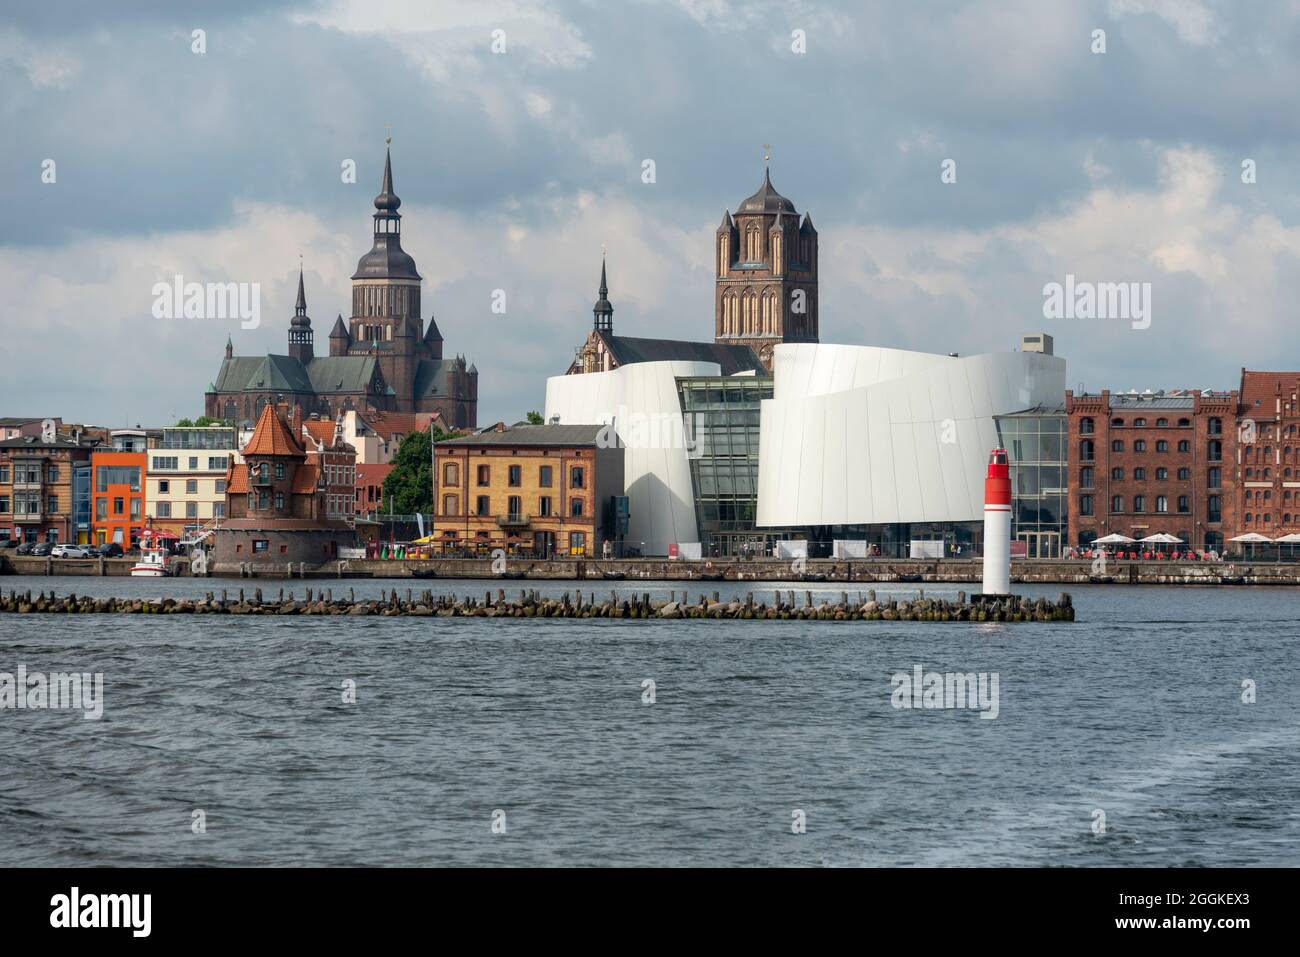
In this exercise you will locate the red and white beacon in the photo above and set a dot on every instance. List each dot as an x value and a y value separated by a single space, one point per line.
997 525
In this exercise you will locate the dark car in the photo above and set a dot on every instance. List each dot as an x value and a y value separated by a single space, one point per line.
26 548
41 549
110 550
9 543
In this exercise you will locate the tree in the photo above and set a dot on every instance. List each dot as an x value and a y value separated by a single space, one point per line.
199 423
409 486
535 418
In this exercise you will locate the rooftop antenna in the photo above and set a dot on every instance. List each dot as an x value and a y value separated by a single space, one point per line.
388 139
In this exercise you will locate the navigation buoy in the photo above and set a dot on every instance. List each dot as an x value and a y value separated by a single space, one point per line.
997 525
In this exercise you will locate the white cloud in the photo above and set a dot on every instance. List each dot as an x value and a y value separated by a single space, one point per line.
1194 21
45 65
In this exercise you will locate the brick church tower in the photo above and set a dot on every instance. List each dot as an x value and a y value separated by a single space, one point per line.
766 261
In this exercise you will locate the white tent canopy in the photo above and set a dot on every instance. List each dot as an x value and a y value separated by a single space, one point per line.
1114 538
1253 538
1292 539
1163 537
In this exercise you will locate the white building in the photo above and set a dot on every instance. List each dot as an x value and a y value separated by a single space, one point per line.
859 435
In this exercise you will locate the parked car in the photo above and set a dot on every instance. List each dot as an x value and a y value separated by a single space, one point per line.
41 549
110 550
26 548
68 550
9 543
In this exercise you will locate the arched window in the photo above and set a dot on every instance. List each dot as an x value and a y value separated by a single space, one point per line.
1086 426
1162 423
1139 422
1117 422
451 474
1162 445
1139 503
1086 451
1117 503
1184 445
1182 504
1215 426
1117 445
1140 445
1162 504
451 505
1215 450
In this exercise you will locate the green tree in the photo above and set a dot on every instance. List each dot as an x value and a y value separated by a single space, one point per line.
184 424
199 423
409 486
535 418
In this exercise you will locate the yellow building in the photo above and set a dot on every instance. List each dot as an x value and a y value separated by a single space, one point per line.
541 490
185 484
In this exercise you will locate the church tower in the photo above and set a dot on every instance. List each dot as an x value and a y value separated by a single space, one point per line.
766 264
386 299
300 334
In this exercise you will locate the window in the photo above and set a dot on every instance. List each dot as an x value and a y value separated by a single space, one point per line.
1085 477
218 462
191 509
1185 474
1086 426
1117 422
1162 445
1162 423
165 462
1117 475
451 474
1086 450
1214 510
164 487
1139 422
4 475
219 510
194 461
135 510
1140 445
101 509
545 507
52 473
1215 477
1162 475
575 507
515 476
119 506
483 505
450 505
577 543
279 471
1182 504
279 500
1184 445
261 545
1215 426
4 504
53 503
221 486
484 475
544 476
576 477
1215 451
1162 504
191 486
1139 503
164 509
1085 504
1117 503
1117 445
515 506
1139 475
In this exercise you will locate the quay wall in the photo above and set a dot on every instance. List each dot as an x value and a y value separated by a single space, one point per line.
954 571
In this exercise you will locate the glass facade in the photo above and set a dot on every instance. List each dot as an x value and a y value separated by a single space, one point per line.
211 437
721 426
1036 443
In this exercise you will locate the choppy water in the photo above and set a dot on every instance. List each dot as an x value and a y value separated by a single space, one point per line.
1135 710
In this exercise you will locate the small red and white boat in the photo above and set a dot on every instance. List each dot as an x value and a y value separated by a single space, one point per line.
153 559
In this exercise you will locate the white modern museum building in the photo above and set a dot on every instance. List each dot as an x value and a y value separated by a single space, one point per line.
842 442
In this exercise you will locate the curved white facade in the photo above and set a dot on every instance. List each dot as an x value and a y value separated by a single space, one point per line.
641 399
858 435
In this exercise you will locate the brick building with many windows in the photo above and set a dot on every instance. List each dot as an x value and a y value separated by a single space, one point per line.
1267 456
38 475
1153 462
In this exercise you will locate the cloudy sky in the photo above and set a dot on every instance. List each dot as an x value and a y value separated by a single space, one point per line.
514 168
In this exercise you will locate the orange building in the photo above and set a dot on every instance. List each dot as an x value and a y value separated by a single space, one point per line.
117 493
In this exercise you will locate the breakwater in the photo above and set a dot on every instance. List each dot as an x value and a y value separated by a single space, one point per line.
529 604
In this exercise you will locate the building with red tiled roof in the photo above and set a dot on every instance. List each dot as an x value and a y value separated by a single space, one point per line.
279 503
370 488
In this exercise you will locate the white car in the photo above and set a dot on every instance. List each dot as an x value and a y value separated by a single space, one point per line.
70 551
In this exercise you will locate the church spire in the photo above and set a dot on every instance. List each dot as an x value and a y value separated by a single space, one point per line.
300 334
300 307
603 310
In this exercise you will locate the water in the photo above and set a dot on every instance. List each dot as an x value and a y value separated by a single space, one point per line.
1135 710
